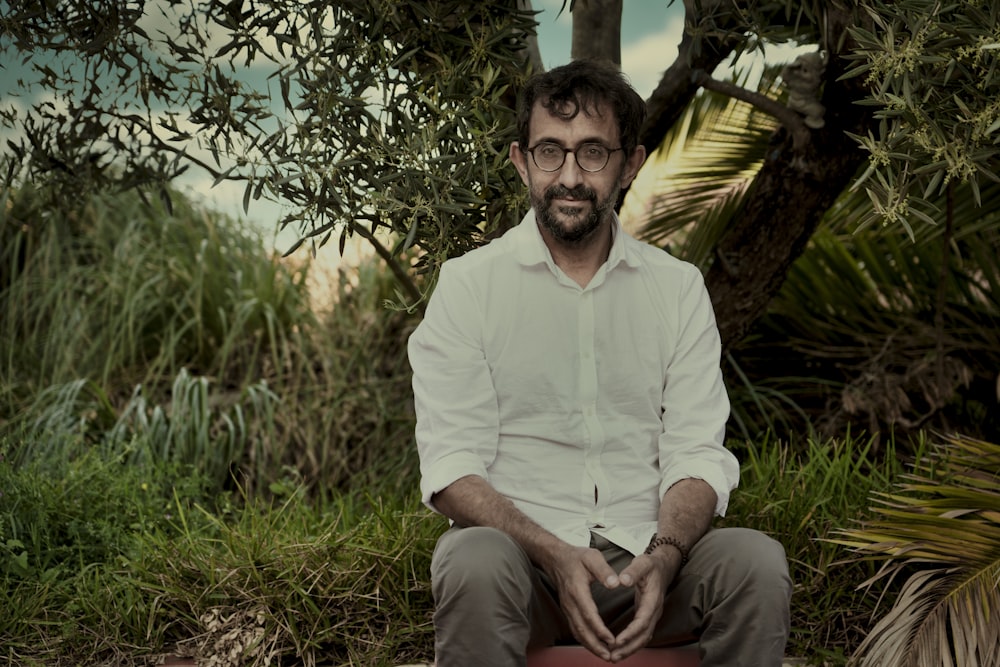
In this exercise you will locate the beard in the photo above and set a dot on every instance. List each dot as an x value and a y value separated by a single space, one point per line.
581 225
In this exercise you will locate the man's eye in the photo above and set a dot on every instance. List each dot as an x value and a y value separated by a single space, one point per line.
593 150
549 150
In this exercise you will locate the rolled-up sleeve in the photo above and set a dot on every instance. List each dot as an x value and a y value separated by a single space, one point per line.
455 401
695 404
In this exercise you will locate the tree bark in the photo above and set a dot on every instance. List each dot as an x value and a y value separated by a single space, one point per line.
597 30
785 203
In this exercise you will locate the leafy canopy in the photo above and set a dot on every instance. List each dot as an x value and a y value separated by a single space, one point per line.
362 116
934 72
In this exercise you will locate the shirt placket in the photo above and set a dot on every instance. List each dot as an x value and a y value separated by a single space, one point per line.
594 487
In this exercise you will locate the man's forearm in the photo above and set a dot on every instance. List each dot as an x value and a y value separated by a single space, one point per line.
472 501
685 514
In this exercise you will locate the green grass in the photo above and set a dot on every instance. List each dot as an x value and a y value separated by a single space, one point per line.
119 573
801 497
168 568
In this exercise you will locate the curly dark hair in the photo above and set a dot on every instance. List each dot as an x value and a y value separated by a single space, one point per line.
583 85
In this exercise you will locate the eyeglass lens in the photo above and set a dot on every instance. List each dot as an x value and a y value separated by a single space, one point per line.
550 156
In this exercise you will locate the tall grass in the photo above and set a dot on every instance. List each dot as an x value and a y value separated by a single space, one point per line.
121 322
802 496
119 290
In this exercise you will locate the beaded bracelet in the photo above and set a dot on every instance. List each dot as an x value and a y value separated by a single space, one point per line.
655 542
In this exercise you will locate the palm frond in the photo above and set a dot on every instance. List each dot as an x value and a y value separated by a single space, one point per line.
704 167
909 327
941 530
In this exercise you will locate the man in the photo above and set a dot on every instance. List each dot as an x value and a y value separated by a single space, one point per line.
570 421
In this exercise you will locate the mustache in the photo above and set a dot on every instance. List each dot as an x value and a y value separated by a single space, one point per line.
580 192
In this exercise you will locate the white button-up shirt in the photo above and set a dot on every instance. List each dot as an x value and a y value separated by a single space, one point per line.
581 405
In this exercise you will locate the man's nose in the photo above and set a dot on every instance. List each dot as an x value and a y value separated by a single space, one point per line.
570 174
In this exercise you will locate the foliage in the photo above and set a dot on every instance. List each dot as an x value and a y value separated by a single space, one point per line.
134 565
101 473
801 495
237 580
179 337
886 335
940 530
108 286
874 329
706 164
352 418
405 133
932 70
346 584
65 525
343 422
193 430
61 514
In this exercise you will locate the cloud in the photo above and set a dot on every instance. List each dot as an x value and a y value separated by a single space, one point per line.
645 60
162 22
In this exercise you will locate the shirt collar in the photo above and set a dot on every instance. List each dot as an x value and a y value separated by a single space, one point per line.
530 248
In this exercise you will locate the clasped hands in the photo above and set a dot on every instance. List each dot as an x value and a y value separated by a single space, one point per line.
573 571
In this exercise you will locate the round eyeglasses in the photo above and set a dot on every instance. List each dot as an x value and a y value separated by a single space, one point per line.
550 156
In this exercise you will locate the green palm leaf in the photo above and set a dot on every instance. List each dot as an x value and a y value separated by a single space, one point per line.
704 167
863 308
942 531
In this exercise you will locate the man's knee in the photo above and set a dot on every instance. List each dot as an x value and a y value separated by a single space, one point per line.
744 558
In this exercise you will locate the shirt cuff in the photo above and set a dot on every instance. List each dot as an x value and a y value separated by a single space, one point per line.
715 478
441 473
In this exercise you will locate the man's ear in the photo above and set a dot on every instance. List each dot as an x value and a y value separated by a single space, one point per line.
633 164
520 161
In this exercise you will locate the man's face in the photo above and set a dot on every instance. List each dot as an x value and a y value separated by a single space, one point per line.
572 204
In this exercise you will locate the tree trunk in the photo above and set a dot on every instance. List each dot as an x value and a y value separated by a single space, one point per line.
597 30
786 202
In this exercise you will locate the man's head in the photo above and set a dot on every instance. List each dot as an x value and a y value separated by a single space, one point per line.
583 86
578 129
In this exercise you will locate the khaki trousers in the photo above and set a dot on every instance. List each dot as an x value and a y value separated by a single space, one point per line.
492 604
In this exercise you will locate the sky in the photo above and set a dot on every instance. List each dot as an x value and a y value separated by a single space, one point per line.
651 31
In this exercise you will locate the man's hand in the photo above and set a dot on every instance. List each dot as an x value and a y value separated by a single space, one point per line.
650 575
572 570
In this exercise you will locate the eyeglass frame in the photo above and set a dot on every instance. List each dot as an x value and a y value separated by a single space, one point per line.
566 151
